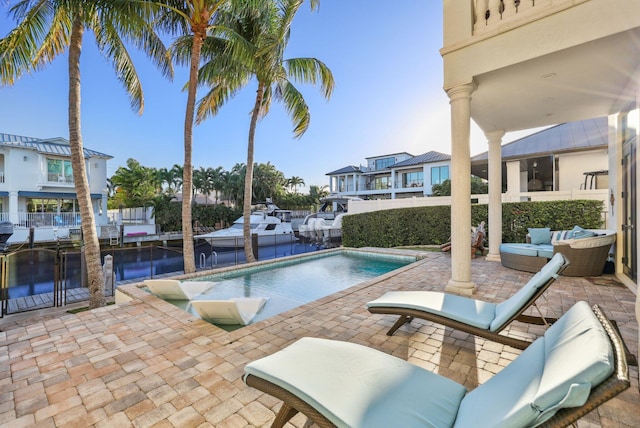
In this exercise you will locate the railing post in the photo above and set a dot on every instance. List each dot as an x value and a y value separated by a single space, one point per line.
495 11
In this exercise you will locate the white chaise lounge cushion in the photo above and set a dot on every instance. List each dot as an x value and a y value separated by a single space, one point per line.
172 289
356 386
239 310
578 355
508 308
469 311
473 312
505 399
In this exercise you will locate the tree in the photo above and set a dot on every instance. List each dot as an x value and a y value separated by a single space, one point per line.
268 182
265 35
135 184
294 182
193 18
478 187
48 28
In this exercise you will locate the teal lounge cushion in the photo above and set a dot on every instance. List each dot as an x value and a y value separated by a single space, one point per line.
578 356
545 250
505 399
356 386
508 308
541 235
520 249
469 311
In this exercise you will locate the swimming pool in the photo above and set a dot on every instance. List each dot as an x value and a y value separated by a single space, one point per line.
292 283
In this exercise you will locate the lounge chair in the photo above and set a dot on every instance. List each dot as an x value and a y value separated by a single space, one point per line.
239 310
577 365
172 289
484 319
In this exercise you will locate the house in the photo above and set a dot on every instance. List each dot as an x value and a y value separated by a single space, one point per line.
512 65
564 157
392 176
37 187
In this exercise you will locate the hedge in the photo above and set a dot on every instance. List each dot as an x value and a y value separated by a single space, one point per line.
432 225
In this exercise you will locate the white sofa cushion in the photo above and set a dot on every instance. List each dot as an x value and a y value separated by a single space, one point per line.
356 386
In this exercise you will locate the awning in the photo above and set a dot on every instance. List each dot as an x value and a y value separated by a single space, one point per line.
54 195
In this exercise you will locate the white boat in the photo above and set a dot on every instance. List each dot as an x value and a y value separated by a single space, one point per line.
271 224
330 208
332 233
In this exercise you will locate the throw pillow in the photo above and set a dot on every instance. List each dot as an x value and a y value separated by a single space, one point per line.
540 235
577 232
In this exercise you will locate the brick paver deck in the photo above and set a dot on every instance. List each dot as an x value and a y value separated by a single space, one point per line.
147 363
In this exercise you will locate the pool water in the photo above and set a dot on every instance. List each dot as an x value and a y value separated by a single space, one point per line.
290 284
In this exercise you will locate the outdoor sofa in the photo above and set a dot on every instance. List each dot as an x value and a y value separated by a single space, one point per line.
586 250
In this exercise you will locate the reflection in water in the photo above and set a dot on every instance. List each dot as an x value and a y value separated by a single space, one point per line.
31 272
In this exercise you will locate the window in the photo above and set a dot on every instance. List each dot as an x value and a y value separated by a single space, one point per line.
382 183
413 179
59 170
439 174
384 163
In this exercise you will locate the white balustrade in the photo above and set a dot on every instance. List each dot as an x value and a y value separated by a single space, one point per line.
489 13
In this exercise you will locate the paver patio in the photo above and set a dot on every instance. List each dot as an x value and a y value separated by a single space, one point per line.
147 363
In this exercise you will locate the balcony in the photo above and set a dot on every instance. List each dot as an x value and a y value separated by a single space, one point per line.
540 63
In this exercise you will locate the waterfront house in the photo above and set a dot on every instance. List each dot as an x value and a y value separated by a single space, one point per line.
37 187
392 176
511 65
561 158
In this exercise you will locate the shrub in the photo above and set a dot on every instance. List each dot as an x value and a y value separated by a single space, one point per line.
432 225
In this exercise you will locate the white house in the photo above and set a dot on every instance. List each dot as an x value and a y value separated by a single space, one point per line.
564 157
392 176
37 188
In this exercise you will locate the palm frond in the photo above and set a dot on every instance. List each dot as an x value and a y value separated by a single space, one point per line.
311 70
296 107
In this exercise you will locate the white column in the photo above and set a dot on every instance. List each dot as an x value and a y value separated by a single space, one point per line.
460 100
13 208
513 181
393 184
494 140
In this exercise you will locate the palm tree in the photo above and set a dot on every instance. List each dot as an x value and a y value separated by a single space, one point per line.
194 18
294 182
265 35
48 28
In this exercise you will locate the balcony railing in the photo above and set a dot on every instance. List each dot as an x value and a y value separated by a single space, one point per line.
59 178
48 220
490 13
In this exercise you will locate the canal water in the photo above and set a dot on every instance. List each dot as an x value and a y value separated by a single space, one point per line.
32 272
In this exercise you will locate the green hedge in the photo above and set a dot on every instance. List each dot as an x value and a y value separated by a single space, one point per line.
432 225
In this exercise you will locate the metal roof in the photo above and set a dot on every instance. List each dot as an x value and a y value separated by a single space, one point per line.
428 157
567 137
345 170
51 146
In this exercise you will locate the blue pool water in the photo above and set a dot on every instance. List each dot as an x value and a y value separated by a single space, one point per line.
290 284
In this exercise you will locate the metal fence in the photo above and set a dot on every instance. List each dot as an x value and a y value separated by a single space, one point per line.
41 278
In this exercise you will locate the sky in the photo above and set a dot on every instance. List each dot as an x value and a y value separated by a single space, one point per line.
388 98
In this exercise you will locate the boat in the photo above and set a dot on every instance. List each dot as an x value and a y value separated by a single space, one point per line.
331 233
271 225
330 208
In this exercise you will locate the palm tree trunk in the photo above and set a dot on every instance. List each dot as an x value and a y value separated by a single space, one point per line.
248 178
90 236
187 172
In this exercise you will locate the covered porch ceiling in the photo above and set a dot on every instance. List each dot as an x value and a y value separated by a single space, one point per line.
585 81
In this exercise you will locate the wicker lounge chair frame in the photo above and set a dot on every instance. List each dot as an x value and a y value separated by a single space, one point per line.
617 382
406 315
